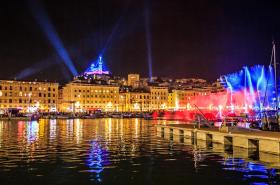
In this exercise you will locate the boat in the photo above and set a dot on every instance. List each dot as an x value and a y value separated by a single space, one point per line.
26 117
127 115
270 118
116 115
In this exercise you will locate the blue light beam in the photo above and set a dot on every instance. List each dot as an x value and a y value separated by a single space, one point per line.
148 41
111 36
34 69
46 26
41 65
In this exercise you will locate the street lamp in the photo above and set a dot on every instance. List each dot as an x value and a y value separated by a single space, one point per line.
109 106
77 105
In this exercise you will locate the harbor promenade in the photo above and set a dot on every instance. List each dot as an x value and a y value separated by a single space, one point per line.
262 141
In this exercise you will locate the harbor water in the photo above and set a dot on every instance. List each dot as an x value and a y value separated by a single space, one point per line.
121 151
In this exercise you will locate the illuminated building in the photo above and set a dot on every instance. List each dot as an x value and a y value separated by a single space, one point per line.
137 100
91 91
181 99
133 80
97 89
28 96
82 97
97 68
96 73
190 80
158 98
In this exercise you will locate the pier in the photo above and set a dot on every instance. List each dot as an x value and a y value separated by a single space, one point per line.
262 141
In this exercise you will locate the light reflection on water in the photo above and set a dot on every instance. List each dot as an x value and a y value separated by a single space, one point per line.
32 131
97 160
121 151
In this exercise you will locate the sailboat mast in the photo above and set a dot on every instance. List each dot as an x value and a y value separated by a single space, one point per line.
275 75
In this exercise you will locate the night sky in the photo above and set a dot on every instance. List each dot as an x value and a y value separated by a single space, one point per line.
188 38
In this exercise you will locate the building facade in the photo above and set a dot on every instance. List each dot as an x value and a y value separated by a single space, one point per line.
135 101
84 97
28 96
181 99
158 98
133 80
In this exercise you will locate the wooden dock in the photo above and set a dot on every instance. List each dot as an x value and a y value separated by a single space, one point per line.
263 141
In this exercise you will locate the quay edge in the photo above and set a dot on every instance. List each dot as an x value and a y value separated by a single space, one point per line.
264 142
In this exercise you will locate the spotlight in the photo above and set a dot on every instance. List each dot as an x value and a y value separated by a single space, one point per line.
47 27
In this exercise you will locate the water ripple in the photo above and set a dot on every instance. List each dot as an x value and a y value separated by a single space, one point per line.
119 151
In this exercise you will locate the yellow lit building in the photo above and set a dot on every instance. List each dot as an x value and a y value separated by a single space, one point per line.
133 80
135 101
79 96
158 98
28 96
82 97
180 99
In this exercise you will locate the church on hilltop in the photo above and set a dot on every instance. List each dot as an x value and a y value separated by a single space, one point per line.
97 68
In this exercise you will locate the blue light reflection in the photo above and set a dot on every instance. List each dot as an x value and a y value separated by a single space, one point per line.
97 159
253 172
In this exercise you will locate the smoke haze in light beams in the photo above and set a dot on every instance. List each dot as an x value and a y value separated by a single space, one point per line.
42 18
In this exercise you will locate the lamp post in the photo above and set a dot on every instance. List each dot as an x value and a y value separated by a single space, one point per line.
72 103
77 104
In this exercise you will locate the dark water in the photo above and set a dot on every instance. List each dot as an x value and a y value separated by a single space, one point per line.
116 151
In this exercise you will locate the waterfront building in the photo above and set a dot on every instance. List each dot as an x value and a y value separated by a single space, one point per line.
179 99
136 100
97 89
158 98
86 97
28 96
94 90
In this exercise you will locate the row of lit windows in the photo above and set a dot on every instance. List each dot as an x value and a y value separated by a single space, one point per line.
157 102
158 93
91 96
96 106
24 101
96 91
25 88
142 102
98 102
187 94
159 98
144 97
10 94
25 106
44 95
